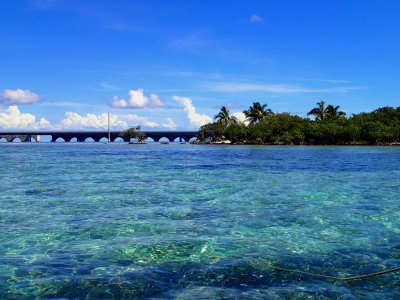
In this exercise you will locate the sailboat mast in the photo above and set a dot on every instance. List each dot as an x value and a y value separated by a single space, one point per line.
109 132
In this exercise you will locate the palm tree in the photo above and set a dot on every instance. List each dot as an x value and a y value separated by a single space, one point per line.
330 112
319 112
333 112
224 118
257 112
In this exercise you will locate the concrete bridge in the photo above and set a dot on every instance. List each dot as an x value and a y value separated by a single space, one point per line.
81 136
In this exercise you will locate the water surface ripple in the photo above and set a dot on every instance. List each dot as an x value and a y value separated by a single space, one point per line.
90 221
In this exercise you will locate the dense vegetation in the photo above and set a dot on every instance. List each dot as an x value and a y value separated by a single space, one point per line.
329 127
134 133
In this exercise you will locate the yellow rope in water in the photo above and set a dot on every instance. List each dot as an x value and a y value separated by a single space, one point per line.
362 276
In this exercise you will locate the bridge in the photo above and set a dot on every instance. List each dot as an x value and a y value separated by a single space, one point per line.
82 136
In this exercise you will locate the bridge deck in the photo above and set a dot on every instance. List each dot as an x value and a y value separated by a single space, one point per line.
81 136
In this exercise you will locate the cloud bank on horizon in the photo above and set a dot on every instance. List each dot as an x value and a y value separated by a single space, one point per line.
12 118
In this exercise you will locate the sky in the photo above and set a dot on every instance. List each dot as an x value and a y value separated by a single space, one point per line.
171 64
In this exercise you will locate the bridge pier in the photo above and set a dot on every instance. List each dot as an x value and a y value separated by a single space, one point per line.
25 138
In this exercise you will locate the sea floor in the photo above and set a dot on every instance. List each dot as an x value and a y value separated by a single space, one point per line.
92 221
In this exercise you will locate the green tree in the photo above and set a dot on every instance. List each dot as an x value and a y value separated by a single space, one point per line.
134 133
261 132
287 129
224 117
236 133
257 112
211 132
381 126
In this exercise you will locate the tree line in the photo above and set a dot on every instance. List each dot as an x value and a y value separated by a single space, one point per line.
330 126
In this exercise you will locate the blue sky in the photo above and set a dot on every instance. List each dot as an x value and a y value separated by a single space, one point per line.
172 64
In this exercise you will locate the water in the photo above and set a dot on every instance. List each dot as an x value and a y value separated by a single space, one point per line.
94 221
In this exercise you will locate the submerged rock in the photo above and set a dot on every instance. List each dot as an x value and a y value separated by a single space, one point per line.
45 192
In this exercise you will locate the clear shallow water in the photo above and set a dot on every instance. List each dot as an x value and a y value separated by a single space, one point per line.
186 221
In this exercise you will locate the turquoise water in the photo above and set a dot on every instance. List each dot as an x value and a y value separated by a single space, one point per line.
90 221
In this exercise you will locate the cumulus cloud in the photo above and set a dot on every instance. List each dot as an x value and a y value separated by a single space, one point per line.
139 121
18 96
137 99
12 118
195 119
169 123
256 19
74 120
156 101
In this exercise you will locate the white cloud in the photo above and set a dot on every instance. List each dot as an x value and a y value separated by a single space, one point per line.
12 118
195 119
256 19
156 101
18 96
139 120
240 87
105 86
137 99
74 120
170 124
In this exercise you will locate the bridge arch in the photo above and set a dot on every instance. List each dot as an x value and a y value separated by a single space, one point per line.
103 140
163 139
118 139
179 140
59 140
15 139
150 140
89 140
3 140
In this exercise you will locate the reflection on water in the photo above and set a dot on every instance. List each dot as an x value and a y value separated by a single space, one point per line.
188 221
